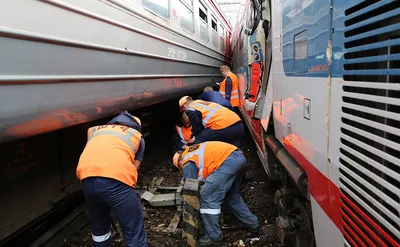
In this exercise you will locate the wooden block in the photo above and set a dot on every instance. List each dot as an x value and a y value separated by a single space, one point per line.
191 187
155 184
193 201
173 225
190 239
191 211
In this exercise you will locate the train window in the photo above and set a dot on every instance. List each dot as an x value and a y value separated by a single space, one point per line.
185 15
300 55
214 32
214 24
158 7
203 23
222 38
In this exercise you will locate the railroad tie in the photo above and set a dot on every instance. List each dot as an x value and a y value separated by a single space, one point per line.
191 211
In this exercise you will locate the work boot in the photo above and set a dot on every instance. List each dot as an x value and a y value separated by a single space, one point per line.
206 241
255 230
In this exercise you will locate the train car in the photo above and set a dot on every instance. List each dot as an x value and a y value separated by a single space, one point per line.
68 62
64 63
319 84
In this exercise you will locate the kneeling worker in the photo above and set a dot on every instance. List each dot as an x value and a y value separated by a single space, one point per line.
212 122
182 133
221 167
108 169
212 96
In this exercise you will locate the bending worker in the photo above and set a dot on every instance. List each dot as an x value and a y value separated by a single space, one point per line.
229 87
212 122
221 167
212 96
182 133
108 169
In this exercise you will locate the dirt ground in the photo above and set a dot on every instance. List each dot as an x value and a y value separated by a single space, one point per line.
257 192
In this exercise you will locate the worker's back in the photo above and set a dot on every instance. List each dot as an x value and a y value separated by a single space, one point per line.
208 156
216 97
214 116
110 152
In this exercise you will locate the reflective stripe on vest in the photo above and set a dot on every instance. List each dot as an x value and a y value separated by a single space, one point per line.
223 93
211 111
126 138
200 154
179 130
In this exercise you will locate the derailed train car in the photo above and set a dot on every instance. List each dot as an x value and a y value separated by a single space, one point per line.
64 63
319 87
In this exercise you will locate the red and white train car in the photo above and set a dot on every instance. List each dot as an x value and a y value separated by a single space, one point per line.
319 84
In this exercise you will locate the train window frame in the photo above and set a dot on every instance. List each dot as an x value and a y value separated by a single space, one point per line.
214 32
203 8
157 14
184 4
222 37
300 62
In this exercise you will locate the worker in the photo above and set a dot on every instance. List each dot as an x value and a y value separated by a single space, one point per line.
182 133
229 87
212 96
108 170
212 122
220 167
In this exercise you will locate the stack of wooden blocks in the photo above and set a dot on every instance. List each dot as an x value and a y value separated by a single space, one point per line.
191 211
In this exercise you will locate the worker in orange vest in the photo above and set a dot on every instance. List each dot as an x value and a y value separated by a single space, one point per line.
108 170
229 87
212 122
220 167
182 133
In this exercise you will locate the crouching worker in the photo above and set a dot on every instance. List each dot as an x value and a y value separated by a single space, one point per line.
212 122
182 133
108 169
220 166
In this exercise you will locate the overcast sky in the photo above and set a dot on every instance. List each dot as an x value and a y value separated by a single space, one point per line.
230 8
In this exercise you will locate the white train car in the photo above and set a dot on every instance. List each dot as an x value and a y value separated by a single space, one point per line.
320 90
65 62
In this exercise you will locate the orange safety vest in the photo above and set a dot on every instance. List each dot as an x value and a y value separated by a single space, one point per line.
184 132
208 157
235 89
214 116
110 152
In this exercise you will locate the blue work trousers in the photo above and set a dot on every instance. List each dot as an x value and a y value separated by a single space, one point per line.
233 134
224 183
105 194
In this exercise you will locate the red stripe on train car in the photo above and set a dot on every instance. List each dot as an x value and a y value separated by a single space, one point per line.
353 235
346 210
371 222
328 195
